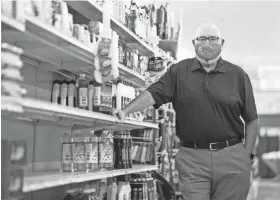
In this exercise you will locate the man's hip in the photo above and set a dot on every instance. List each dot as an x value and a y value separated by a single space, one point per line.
214 174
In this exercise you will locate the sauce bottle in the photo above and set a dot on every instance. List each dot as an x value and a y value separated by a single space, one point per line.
56 92
117 151
71 93
82 92
64 88
129 148
90 95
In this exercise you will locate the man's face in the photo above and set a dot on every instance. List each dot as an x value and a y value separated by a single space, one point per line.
208 44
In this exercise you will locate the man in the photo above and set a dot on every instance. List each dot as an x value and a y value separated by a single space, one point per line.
210 95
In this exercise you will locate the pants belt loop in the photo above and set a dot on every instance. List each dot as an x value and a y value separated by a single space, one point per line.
227 143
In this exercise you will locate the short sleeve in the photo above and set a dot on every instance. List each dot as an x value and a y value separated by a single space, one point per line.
162 91
249 111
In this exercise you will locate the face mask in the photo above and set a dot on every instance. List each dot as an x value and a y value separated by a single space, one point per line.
208 52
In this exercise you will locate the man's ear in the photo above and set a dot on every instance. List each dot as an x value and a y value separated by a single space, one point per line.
222 42
193 41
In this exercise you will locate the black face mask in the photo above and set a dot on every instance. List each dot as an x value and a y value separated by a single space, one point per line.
209 51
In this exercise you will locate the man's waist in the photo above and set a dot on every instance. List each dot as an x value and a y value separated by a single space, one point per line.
211 145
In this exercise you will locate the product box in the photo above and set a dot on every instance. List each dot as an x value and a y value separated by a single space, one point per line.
13 153
11 182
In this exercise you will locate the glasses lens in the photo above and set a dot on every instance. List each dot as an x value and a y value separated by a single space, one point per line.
201 39
213 39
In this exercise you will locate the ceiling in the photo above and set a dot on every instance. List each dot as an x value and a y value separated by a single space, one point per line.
251 29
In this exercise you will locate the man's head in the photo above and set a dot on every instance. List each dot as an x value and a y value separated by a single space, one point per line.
208 43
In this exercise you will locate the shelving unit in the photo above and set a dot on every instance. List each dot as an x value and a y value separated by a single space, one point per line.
41 180
47 49
35 110
93 11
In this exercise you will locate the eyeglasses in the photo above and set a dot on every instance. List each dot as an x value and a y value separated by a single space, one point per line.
211 39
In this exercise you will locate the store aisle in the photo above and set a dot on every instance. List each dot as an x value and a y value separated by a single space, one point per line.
265 189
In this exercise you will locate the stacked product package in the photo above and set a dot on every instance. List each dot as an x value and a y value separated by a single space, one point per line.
11 66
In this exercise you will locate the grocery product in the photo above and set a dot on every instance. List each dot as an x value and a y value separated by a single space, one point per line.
64 92
106 151
72 94
56 92
66 148
103 189
79 152
90 96
91 152
82 92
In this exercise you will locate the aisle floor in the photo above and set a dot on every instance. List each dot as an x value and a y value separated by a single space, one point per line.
265 189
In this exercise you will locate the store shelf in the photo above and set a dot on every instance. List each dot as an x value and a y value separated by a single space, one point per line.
55 50
45 43
10 23
132 76
46 112
41 180
93 11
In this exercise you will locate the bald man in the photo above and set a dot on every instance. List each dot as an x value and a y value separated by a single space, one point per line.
210 96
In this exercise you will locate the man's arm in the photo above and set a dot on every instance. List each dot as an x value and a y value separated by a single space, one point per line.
144 100
251 134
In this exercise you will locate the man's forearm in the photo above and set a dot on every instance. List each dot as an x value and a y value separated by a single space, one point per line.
144 100
251 134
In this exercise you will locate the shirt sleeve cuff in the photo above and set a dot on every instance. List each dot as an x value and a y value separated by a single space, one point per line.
251 117
156 97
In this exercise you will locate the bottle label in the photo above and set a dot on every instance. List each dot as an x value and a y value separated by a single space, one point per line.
66 153
79 152
83 97
91 153
97 96
106 151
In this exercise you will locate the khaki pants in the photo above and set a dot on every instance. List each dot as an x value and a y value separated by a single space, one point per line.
214 175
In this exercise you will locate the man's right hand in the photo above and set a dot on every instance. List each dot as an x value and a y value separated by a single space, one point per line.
120 114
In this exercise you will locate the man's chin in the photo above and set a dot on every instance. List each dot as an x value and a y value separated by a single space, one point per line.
207 61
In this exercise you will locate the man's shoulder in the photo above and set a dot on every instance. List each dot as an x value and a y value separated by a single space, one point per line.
231 67
183 64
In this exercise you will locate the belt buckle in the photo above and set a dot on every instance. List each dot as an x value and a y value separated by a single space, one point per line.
212 149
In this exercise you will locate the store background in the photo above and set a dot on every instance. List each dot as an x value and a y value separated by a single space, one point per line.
251 30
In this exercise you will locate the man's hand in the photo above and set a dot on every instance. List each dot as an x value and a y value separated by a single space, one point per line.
120 114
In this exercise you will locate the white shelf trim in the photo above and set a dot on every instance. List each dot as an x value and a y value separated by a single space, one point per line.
13 23
40 180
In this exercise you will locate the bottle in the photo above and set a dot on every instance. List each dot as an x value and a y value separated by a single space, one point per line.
114 193
72 91
103 189
66 153
79 152
70 194
123 151
97 97
129 148
91 153
117 151
64 88
106 151
56 92
90 96
82 92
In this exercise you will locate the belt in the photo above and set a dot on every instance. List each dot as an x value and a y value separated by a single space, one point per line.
212 146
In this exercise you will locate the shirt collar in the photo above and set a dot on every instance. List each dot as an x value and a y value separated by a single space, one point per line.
219 68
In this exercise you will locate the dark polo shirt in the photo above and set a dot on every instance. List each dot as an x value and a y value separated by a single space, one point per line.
208 105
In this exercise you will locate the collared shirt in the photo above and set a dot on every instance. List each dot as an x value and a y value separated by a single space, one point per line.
208 106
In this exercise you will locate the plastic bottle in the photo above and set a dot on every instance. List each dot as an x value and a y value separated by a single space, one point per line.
82 92
114 191
117 151
106 151
70 194
129 148
64 88
56 92
97 97
90 95
79 152
72 93
103 189
66 153
94 158
123 151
